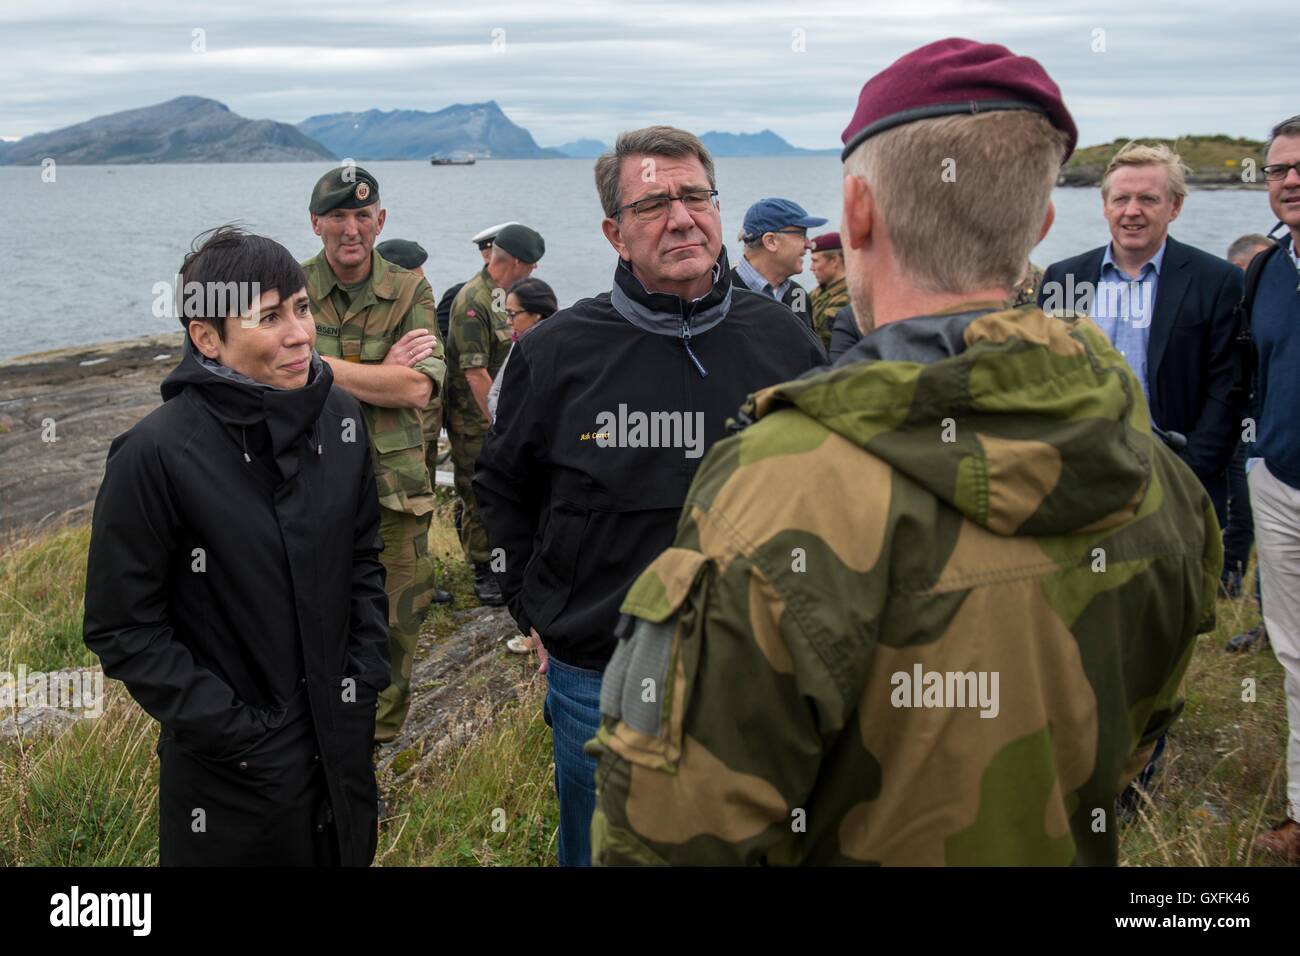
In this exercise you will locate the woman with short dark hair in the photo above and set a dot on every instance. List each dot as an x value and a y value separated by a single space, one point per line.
233 581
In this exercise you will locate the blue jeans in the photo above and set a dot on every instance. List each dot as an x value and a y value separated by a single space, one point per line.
572 711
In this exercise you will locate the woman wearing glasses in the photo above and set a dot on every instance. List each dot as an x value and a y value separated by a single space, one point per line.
528 301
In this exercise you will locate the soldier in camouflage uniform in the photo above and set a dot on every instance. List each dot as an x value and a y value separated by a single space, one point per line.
961 641
1026 292
374 325
832 292
478 340
411 257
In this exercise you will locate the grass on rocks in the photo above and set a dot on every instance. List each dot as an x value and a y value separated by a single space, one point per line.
88 797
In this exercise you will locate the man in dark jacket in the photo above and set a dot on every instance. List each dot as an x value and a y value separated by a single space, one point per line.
234 583
1167 307
615 400
844 333
1275 478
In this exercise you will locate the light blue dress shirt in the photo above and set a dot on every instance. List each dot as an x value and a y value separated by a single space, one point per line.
1124 307
754 279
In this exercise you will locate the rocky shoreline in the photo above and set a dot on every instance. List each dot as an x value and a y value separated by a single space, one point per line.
59 412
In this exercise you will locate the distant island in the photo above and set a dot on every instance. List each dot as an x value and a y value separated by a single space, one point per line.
463 131
1213 161
762 143
582 148
187 129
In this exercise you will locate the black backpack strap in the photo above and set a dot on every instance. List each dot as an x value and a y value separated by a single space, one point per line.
1245 358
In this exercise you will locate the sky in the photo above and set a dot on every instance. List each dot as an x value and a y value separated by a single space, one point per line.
591 68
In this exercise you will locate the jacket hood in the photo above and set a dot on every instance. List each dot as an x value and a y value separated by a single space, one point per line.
238 401
1026 424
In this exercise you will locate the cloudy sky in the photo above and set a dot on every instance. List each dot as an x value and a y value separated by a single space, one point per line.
593 67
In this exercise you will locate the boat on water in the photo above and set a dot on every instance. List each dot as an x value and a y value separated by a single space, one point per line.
444 161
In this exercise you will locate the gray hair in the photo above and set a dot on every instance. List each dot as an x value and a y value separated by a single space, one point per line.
651 141
1246 243
1288 127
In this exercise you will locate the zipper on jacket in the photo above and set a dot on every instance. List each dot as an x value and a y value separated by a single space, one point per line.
686 341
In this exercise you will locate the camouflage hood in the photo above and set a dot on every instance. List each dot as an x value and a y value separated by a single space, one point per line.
1026 424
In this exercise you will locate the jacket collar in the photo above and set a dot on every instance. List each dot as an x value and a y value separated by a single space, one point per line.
322 280
923 338
839 285
1155 262
665 314
241 402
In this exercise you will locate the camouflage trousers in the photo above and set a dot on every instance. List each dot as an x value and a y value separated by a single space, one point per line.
465 447
409 583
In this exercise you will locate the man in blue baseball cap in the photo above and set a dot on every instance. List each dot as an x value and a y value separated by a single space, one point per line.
775 237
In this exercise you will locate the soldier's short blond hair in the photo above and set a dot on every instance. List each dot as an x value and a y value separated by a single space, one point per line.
963 197
1140 154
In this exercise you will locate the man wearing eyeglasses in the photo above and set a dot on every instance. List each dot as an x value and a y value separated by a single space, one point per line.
1275 481
606 409
775 236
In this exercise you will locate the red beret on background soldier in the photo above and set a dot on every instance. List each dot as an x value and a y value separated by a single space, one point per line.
832 292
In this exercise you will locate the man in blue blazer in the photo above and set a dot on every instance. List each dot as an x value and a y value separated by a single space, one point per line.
1166 306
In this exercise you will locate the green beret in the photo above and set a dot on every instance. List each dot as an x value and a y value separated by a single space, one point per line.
403 252
348 187
526 245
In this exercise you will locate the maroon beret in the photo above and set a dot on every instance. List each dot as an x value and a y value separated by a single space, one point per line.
955 76
826 242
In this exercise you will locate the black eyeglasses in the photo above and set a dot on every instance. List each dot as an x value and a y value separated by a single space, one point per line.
656 207
513 312
1276 172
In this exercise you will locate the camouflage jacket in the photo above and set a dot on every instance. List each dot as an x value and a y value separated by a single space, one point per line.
392 303
478 336
950 649
826 301
1026 293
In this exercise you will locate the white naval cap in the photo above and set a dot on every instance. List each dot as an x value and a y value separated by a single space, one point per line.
490 233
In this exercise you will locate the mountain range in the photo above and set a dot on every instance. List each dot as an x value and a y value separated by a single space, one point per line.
194 129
